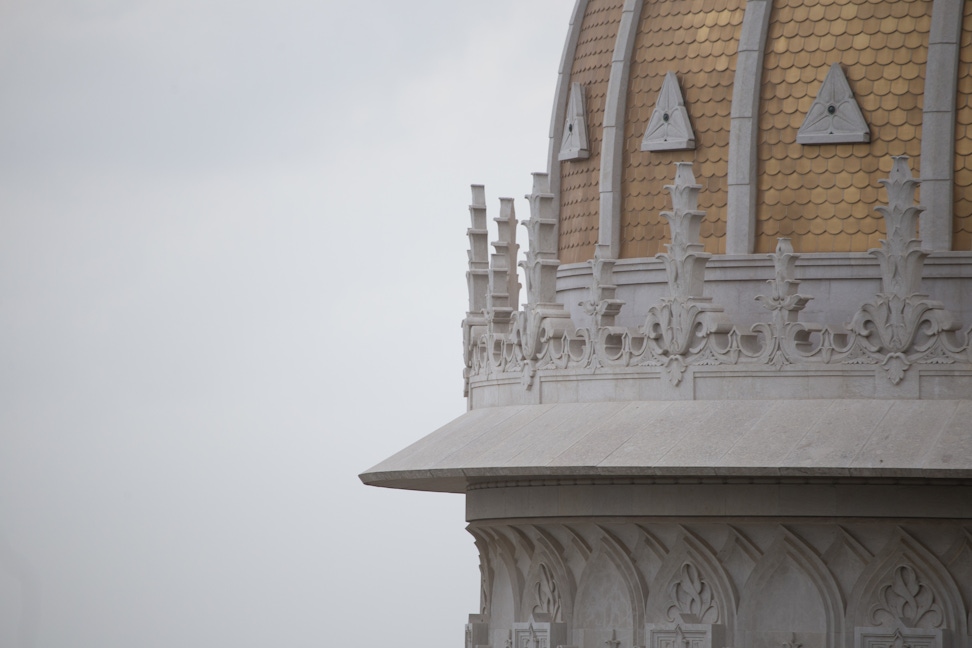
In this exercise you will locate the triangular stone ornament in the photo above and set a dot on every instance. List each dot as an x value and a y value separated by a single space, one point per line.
669 128
834 117
574 145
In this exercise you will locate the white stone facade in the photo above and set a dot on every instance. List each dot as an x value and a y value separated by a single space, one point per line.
718 451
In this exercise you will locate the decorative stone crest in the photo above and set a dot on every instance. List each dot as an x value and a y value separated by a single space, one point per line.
574 144
679 325
888 327
899 328
834 117
669 128
785 304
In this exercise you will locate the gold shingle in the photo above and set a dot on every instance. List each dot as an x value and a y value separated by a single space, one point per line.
579 189
837 193
705 67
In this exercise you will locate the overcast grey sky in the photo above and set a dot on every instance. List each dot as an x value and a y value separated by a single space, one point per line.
232 256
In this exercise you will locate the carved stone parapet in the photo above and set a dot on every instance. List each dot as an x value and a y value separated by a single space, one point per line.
900 637
684 635
477 631
539 632
893 330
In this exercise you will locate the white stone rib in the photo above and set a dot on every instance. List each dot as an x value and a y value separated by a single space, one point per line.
938 125
612 134
741 208
561 94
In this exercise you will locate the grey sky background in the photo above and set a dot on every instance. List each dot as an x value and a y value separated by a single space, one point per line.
232 256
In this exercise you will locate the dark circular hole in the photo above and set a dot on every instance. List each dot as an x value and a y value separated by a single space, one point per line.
570 128
831 109
665 117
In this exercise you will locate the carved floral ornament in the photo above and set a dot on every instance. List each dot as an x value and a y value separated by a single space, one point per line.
547 594
906 600
898 328
692 599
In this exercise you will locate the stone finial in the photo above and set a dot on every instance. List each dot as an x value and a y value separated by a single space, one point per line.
785 304
477 277
685 260
680 322
544 318
602 306
901 256
613 641
474 326
890 326
541 263
504 287
784 301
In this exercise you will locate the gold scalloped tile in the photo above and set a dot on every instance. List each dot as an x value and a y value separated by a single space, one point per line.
579 187
836 186
696 39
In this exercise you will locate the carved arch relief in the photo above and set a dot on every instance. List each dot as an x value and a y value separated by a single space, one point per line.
691 586
505 589
503 604
791 597
610 598
549 584
906 588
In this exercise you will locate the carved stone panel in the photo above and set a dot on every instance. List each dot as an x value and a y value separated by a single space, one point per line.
899 637
539 633
477 632
834 117
684 635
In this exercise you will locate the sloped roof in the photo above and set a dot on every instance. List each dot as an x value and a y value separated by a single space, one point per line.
759 438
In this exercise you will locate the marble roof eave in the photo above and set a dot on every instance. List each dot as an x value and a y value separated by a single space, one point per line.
760 439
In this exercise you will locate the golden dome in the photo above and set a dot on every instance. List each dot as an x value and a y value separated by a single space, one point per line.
822 196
